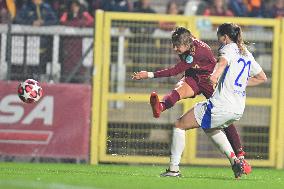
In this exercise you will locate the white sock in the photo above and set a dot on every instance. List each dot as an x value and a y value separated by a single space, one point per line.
178 144
221 141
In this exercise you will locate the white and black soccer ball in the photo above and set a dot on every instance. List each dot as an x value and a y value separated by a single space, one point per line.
30 91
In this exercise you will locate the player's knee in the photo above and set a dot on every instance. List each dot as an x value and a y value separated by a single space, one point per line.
179 84
181 91
184 91
179 124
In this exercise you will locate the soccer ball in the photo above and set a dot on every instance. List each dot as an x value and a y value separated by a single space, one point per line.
30 91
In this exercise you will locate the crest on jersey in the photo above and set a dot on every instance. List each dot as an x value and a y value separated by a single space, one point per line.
189 59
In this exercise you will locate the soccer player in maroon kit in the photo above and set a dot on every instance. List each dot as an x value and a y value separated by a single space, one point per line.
197 62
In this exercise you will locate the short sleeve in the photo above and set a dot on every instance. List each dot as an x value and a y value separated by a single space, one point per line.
225 52
255 68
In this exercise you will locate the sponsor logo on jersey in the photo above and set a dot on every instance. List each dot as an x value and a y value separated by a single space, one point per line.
195 66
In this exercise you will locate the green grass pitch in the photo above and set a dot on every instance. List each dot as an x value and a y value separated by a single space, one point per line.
73 176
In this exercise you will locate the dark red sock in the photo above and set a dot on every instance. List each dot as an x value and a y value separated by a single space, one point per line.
234 138
170 99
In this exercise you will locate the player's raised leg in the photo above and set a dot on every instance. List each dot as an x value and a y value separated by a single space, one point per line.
156 105
182 90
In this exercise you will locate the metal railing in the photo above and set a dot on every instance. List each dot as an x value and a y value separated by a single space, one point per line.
125 50
26 46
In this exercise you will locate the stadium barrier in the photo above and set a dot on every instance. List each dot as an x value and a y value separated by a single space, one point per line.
131 42
280 128
46 53
97 88
46 129
128 135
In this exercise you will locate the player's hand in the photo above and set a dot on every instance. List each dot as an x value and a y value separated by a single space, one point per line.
140 75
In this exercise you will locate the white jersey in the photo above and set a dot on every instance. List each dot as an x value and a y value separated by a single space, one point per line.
230 93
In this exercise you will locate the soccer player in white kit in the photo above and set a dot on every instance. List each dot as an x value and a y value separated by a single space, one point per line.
236 69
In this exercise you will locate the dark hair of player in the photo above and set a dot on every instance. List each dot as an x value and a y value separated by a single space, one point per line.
234 32
181 36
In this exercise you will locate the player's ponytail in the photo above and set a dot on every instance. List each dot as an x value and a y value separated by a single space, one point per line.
239 39
234 32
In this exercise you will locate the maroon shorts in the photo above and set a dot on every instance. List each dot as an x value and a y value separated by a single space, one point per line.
200 85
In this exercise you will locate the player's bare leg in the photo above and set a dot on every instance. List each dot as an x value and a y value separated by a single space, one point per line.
182 90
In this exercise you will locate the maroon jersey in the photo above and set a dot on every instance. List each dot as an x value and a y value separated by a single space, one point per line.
200 61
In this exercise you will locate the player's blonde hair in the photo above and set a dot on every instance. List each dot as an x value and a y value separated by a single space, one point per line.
234 32
181 36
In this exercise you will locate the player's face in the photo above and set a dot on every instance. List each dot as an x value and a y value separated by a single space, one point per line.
180 49
223 39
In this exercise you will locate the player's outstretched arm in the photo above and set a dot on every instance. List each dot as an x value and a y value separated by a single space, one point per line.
257 79
142 75
219 69
167 72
